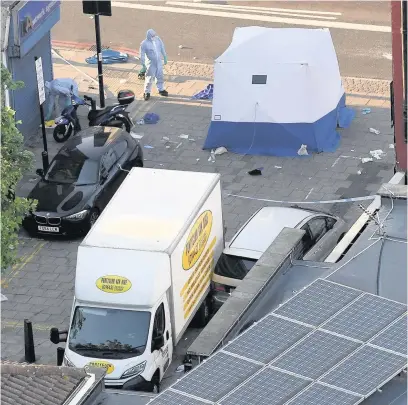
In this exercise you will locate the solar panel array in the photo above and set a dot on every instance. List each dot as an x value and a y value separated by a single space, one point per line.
328 345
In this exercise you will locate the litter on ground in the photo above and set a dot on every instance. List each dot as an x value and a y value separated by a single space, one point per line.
366 111
206 94
183 136
278 167
378 153
391 146
151 118
256 172
359 172
374 131
140 122
181 143
148 147
134 135
302 150
365 160
220 151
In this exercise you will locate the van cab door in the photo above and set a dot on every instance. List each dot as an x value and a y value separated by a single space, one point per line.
162 344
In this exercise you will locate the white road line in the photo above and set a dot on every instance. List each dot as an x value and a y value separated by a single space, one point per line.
239 8
250 17
313 12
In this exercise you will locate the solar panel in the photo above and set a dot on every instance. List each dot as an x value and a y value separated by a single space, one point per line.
169 397
365 371
318 302
269 387
318 394
259 344
395 337
316 354
365 317
216 377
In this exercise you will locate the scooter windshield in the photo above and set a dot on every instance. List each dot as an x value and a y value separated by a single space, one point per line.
76 100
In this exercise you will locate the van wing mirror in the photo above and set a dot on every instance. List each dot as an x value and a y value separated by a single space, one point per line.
57 336
158 342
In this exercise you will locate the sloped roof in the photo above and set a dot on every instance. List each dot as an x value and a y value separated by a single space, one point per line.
23 384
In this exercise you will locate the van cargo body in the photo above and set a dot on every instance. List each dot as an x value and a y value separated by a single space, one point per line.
143 272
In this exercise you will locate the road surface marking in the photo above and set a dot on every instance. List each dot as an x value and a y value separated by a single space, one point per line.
251 10
20 324
289 10
253 17
308 194
16 269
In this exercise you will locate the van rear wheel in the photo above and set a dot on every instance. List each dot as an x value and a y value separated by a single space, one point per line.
203 314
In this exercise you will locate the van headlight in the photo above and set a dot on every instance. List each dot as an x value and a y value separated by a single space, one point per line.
135 370
67 362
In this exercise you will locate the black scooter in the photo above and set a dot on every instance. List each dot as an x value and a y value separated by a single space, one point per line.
111 116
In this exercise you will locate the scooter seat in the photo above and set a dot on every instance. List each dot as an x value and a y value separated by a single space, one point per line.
94 114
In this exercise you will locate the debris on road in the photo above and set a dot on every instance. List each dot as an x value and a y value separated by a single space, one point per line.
140 122
181 46
278 167
134 135
374 131
302 150
180 368
365 160
359 172
183 136
206 94
378 153
365 111
256 172
181 143
220 151
3 297
391 146
151 118
148 147
212 157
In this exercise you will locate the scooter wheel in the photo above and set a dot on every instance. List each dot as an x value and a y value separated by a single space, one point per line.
62 133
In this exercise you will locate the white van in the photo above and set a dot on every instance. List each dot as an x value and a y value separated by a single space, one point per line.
143 272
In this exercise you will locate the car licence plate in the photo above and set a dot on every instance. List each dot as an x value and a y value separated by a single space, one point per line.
48 228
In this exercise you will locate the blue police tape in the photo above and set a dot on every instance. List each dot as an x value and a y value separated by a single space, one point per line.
344 200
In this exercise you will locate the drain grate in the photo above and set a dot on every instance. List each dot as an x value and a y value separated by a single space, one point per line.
116 73
93 48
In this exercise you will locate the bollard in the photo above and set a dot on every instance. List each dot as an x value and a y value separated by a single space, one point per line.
60 355
45 161
29 352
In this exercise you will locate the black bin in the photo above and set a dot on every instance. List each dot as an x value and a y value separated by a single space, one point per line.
126 97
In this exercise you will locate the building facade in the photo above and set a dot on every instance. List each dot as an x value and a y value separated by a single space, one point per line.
26 27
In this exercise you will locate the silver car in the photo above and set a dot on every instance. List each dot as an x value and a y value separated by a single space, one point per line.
323 232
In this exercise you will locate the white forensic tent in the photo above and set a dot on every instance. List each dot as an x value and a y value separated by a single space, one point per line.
276 89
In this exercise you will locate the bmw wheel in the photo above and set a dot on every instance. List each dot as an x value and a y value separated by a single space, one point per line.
93 217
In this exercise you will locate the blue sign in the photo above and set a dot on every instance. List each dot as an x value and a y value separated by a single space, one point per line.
32 16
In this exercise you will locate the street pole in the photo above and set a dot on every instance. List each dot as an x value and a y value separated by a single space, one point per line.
41 98
99 56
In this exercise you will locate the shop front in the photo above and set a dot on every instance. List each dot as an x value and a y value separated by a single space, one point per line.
29 36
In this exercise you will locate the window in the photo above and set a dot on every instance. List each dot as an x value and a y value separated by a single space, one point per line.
317 228
107 161
259 79
330 222
119 149
233 266
159 322
306 241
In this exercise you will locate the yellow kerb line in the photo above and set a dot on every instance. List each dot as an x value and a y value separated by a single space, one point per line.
16 269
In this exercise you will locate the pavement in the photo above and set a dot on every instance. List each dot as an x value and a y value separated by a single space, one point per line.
361 30
40 288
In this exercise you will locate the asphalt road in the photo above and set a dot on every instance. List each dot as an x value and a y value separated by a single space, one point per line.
360 30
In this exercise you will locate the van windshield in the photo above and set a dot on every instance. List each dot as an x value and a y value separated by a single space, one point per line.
107 332
233 266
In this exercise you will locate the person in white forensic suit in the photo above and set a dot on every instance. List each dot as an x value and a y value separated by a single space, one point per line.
152 52
61 89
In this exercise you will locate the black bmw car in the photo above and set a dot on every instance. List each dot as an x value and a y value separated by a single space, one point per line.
81 180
